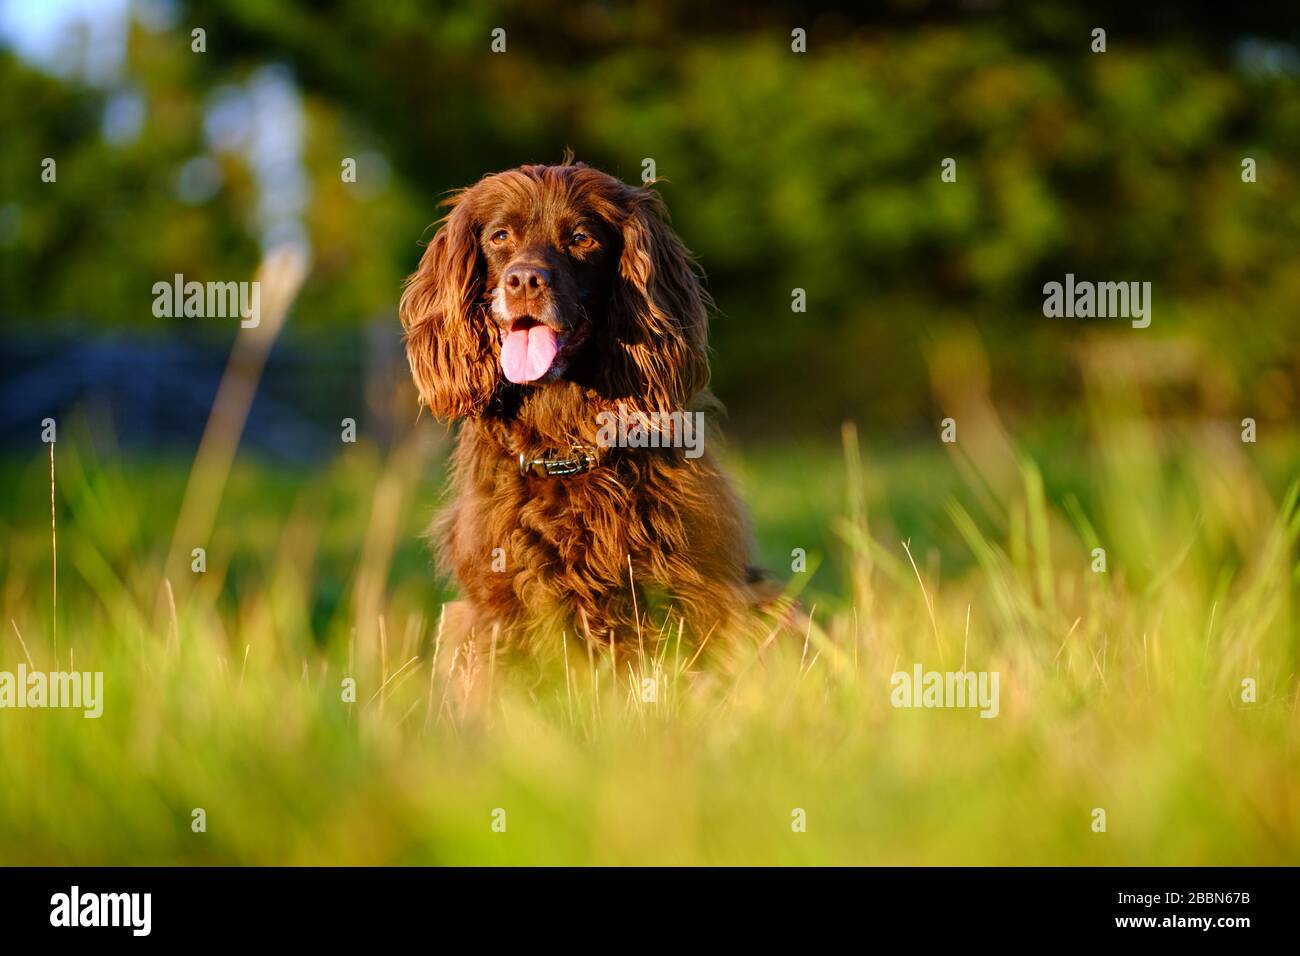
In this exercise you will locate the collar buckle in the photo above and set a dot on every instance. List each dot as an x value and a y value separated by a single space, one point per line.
582 460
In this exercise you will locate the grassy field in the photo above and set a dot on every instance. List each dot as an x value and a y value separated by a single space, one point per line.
1120 690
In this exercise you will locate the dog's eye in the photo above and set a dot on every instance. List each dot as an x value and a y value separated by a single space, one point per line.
498 237
582 241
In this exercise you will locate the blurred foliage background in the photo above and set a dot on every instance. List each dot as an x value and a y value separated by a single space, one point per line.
818 171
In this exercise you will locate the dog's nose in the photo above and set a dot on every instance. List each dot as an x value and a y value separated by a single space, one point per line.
525 281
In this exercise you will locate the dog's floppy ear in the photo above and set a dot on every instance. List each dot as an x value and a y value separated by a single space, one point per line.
448 338
658 329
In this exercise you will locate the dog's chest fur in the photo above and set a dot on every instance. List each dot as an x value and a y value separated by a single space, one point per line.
551 540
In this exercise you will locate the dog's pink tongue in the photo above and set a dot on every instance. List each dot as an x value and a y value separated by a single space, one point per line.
527 353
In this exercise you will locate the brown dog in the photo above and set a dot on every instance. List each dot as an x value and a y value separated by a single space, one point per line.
553 302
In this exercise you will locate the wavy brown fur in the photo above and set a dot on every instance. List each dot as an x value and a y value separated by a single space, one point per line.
573 545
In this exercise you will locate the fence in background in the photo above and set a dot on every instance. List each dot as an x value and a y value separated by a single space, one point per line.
145 392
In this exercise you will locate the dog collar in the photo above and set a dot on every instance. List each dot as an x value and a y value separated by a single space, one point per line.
581 459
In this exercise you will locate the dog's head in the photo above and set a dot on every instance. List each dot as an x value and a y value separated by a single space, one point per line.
549 273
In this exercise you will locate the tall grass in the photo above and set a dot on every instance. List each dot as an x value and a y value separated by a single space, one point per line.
1120 690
